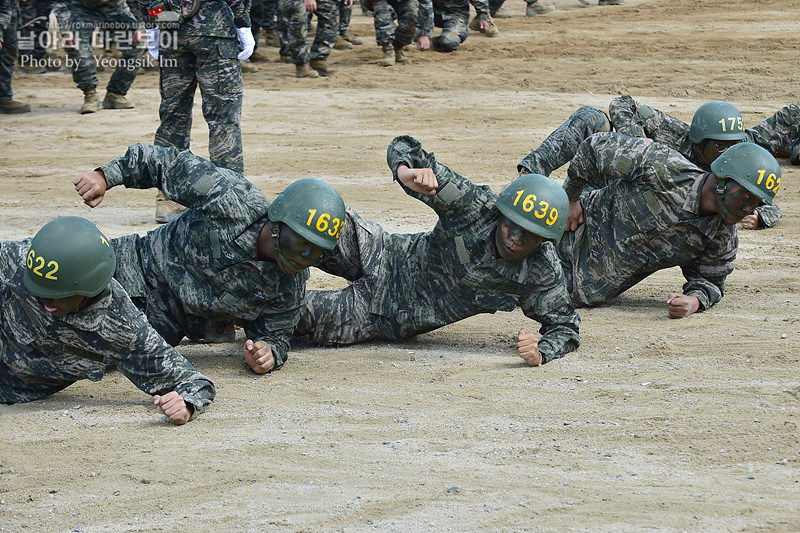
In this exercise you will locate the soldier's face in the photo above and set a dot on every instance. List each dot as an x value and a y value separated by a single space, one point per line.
62 306
739 201
300 253
712 148
514 243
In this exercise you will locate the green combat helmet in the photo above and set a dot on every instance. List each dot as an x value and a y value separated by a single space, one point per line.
537 204
69 256
313 209
752 167
720 121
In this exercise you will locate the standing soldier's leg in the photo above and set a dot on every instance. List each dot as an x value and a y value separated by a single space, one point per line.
270 23
177 85
407 12
8 58
327 30
220 79
294 12
383 19
560 146
127 69
84 72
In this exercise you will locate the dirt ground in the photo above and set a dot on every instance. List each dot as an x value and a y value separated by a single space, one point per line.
652 425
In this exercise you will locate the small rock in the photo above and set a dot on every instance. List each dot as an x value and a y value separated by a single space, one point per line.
452 490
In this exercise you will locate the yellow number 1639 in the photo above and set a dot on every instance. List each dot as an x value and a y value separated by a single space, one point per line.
544 209
324 223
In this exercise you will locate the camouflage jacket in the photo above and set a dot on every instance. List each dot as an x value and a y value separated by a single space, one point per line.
9 12
775 134
453 271
44 354
214 18
641 204
202 267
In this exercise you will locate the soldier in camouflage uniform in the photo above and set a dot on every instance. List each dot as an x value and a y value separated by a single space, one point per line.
637 207
315 63
232 257
779 134
392 39
453 17
63 318
484 255
9 21
111 17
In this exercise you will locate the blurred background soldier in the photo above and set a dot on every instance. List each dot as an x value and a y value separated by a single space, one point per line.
9 21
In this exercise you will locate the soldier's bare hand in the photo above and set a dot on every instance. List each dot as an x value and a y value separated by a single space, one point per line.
528 348
575 217
173 405
423 43
258 356
311 6
91 186
421 180
751 221
681 305
348 4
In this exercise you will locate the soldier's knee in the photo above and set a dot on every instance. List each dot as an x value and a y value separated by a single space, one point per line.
594 120
449 42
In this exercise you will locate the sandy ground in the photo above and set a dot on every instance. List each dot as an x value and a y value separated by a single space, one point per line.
653 424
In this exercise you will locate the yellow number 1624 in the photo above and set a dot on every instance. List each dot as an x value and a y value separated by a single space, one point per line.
542 208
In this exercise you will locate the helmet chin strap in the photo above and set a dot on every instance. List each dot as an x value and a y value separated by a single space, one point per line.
276 246
721 184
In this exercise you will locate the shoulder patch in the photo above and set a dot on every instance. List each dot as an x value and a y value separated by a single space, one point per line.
624 164
448 193
644 111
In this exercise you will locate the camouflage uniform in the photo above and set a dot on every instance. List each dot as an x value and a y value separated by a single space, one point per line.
199 273
384 12
111 16
205 53
406 284
641 204
35 14
294 12
41 354
9 20
453 17
263 16
775 134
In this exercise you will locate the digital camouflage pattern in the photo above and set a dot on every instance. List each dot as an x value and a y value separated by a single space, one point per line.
203 51
41 354
9 22
775 134
198 274
560 146
110 17
294 12
384 13
453 17
406 284
641 204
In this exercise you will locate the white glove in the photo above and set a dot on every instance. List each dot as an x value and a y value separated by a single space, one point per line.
153 36
246 42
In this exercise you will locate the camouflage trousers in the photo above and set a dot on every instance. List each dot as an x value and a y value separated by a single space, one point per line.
384 13
8 58
263 14
211 63
84 72
560 146
344 18
14 389
296 29
35 15
454 32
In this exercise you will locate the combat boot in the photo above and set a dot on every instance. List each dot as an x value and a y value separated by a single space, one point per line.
259 56
12 107
91 102
116 101
167 210
248 67
285 59
475 25
352 39
272 38
534 8
401 57
794 152
305 71
321 66
388 56
340 43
